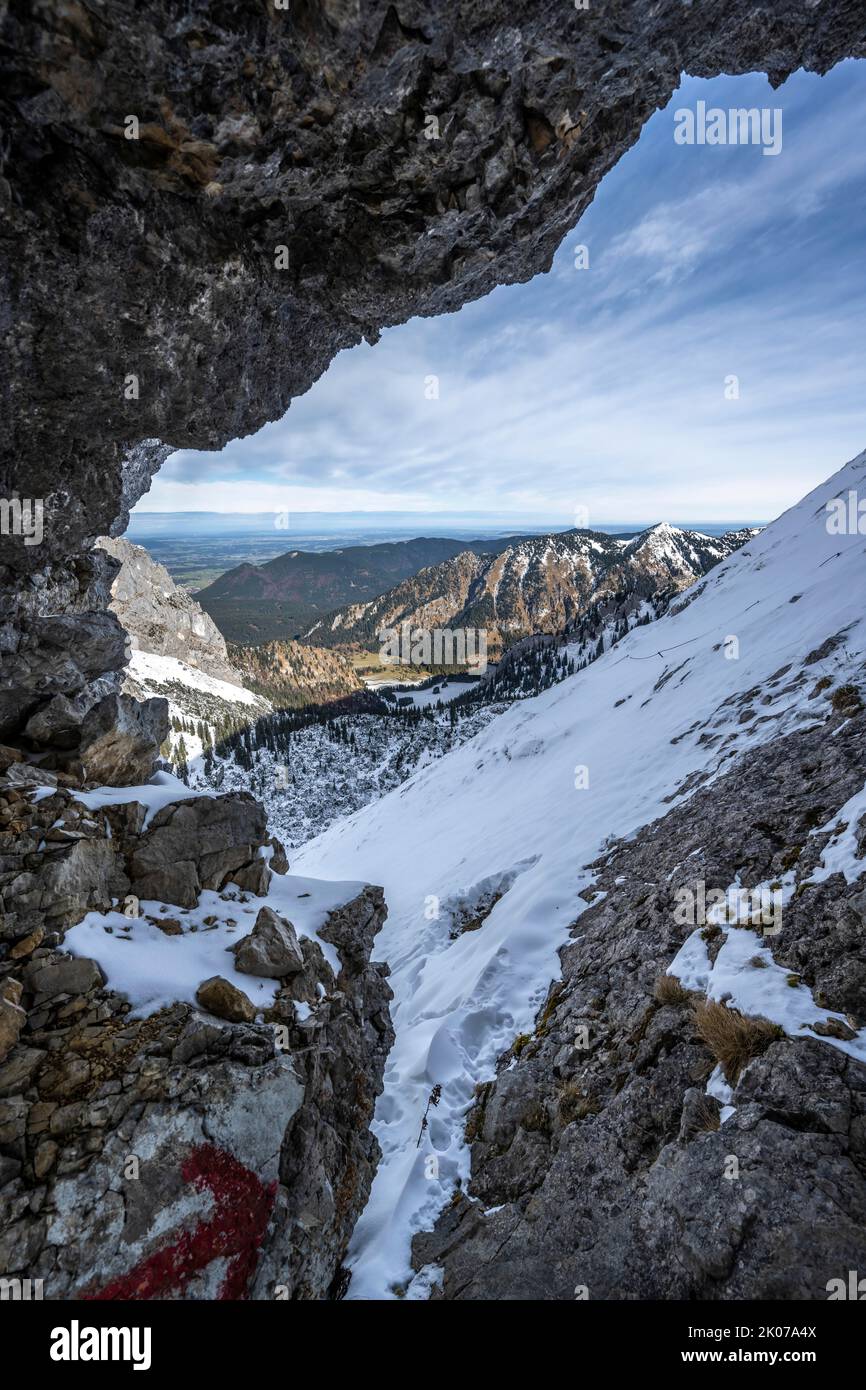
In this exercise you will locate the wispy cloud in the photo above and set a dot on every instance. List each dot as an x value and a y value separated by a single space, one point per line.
606 387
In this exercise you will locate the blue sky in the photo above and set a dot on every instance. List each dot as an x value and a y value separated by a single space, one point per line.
599 394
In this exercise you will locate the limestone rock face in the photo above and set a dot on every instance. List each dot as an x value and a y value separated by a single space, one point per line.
120 1137
58 860
261 129
352 931
259 1127
245 191
47 978
56 637
120 738
160 617
12 1016
60 677
108 738
199 843
278 862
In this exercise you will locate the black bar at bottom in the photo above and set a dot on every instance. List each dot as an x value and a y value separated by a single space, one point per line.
68 1339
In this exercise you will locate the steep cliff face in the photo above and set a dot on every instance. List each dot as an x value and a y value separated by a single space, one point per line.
204 203
162 619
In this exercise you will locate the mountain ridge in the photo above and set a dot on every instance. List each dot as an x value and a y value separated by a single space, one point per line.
536 585
256 603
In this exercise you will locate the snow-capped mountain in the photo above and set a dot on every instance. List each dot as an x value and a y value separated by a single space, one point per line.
485 856
537 585
257 603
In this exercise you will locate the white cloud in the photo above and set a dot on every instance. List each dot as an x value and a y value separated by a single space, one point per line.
605 387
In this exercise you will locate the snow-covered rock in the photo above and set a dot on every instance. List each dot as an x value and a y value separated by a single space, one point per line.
536 585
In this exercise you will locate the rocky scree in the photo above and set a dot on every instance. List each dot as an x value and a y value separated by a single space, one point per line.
602 1167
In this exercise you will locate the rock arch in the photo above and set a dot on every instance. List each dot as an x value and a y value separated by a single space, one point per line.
148 302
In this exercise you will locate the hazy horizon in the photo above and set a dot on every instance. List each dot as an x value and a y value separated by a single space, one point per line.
199 523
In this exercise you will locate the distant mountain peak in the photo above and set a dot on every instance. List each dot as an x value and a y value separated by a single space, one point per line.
538 584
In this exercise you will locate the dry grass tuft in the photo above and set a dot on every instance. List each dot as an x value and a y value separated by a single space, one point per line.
846 699
575 1105
706 1118
733 1038
669 990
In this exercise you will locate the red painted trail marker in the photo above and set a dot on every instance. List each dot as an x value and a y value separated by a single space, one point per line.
243 1205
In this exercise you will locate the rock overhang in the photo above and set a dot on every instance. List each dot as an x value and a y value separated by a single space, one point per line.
204 204
408 158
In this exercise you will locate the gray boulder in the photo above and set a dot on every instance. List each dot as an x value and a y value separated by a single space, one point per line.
271 949
353 929
62 975
254 877
120 740
195 844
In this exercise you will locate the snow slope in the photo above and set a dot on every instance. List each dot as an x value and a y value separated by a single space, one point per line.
196 700
512 808
442 692
157 672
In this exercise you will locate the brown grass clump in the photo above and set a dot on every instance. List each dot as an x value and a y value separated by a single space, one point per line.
846 699
574 1105
706 1118
733 1038
669 990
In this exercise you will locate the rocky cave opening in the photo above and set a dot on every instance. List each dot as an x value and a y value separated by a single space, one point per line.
153 259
